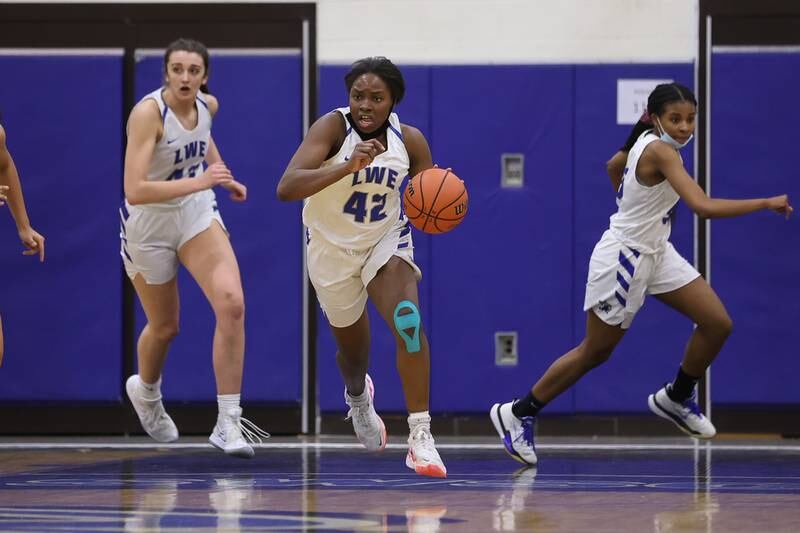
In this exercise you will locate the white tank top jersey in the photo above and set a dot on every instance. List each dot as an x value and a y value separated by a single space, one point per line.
644 213
180 152
359 209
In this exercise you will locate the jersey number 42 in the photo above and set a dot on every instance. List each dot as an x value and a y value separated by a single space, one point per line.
356 205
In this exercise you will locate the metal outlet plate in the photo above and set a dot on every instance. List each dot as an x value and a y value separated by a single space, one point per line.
512 170
505 348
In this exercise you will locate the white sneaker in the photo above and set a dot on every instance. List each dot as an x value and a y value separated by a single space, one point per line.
422 456
154 419
234 433
517 433
686 415
369 428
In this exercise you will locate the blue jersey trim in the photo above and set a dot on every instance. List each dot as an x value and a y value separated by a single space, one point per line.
396 132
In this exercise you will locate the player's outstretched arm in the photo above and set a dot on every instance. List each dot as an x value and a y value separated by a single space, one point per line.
670 165
9 177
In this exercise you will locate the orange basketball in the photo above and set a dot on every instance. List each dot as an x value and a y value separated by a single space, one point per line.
435 200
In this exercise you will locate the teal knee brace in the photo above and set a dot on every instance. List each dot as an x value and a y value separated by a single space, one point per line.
408 321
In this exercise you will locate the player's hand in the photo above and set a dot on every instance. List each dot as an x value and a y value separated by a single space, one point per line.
780 204
33 242
364 153
216 174
238 190
3 198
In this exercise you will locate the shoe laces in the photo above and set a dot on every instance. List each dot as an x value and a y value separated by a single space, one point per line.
527 431
361 412
691 405
246 429
422 441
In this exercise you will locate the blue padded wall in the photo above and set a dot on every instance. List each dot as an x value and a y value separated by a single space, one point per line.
62 319
413 110
256 129
651 351
508 266
756 258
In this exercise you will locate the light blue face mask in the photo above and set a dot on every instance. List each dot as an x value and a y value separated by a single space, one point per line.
667 138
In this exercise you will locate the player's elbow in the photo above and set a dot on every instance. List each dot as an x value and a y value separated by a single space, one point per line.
133 196
611 169
282 193
285 192
703 209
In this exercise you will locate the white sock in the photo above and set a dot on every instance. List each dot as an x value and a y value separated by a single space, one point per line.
228 402
150 391
423 418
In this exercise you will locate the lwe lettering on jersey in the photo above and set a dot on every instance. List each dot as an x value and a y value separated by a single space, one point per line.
193 149
376 175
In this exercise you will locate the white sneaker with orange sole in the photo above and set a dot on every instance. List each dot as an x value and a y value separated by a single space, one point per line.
422 456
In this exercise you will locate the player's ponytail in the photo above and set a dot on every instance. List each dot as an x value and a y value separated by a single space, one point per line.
640 127
662 95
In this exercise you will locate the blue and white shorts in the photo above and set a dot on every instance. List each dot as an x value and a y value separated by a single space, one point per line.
340 275
620 278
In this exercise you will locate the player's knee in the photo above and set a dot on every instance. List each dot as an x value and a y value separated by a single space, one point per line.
408 325
719 325
229 306
353 356
593 356
165 331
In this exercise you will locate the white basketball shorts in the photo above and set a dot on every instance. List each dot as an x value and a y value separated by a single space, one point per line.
621 277
152 234
340 276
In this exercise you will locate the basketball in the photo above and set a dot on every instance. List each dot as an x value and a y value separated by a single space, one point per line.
435 200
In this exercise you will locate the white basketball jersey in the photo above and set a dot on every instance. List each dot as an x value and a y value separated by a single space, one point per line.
179 153
359 209
644 213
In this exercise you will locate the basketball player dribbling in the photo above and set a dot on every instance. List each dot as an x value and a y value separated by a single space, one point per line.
634 258
11 194
170 216
350 167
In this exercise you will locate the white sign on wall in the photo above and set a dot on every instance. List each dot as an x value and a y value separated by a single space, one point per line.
632 98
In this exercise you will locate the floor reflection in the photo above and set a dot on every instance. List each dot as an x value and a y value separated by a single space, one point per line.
703 488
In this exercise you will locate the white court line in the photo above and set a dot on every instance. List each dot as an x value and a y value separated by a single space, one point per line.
349 446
